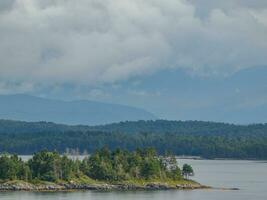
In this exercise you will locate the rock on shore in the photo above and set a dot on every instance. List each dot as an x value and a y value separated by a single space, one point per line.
24 186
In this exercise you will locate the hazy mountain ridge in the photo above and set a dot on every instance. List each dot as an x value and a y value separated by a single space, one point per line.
30 108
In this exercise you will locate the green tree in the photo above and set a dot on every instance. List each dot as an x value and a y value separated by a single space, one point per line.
8 168
150 169
187 171
46 166
12 168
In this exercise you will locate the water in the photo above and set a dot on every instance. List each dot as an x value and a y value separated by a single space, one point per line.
249 176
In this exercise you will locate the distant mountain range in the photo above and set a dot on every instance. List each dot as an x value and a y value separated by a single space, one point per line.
240 98
30 108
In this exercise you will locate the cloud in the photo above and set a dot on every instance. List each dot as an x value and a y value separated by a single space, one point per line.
6 5
105 41
7 87
143 93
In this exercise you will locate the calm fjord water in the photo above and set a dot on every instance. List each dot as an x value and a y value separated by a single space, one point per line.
249 176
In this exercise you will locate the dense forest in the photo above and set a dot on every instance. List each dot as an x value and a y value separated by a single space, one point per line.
102 165
196 138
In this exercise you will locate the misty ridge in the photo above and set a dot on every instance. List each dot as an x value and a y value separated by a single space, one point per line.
30 108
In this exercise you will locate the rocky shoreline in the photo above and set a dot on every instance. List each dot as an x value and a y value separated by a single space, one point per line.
24 186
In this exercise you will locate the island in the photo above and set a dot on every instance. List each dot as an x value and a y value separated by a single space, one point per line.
142 169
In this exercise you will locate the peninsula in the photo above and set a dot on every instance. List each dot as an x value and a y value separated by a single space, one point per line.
103 170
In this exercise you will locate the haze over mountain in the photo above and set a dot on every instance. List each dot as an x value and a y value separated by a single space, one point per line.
177 95
30 108
179 59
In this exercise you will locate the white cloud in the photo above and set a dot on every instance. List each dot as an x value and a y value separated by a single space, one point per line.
15 87
97 94
143 93
104 41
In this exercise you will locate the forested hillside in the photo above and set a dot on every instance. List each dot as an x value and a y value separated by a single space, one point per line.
182 127
206 139
132 127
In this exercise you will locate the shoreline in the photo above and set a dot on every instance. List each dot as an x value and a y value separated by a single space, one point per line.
26 186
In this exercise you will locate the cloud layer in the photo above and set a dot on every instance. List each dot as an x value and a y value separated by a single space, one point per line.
104 41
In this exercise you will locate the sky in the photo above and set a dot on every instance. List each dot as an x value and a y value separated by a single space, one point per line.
179 59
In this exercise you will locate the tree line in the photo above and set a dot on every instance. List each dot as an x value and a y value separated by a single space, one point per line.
211 146
205 139
103 165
